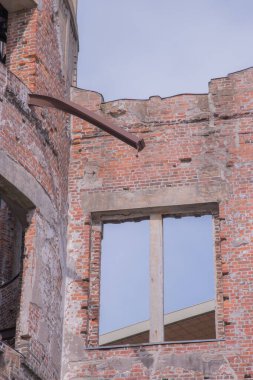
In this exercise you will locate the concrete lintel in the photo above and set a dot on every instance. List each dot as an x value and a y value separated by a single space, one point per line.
18 5
159 199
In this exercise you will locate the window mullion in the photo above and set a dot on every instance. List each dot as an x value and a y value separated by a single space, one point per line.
156 333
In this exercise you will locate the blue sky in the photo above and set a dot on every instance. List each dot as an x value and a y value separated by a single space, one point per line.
140 48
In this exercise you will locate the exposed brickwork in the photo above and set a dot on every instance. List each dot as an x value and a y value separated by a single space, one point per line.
28 143
196 144
35 56
36 47
36 144
10 362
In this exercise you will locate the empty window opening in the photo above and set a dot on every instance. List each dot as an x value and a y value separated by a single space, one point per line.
124 299
3 33
11 248
157 281
189 283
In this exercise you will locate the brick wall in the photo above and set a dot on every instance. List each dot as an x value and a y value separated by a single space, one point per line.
36 55
24 139
34 149
37 42
198 149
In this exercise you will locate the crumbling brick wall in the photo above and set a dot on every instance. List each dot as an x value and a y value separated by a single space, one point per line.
39 45
36 54
198 150
30 163
34 150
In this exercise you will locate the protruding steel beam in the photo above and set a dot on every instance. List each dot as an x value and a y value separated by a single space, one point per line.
91 117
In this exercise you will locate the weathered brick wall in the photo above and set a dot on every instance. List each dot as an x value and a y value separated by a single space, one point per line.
36 54
199 149
39 46
34 150
13 365
10 362
27 145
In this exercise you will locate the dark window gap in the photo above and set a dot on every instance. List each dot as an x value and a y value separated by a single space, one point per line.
3 33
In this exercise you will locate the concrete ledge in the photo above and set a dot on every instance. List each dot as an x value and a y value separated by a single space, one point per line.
170 199
18 5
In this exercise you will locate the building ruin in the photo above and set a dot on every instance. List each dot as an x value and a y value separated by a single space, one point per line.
62 179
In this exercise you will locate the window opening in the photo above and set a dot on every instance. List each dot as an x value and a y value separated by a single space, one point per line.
166 265
11 248
189 283
124 299
3 33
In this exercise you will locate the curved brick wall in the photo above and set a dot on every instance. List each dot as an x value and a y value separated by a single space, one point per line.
34 157
37 165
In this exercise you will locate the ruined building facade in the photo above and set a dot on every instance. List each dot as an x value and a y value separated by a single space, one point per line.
61 179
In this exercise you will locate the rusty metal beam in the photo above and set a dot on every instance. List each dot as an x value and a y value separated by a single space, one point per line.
91 117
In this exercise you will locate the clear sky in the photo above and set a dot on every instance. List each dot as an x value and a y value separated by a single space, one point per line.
140 48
